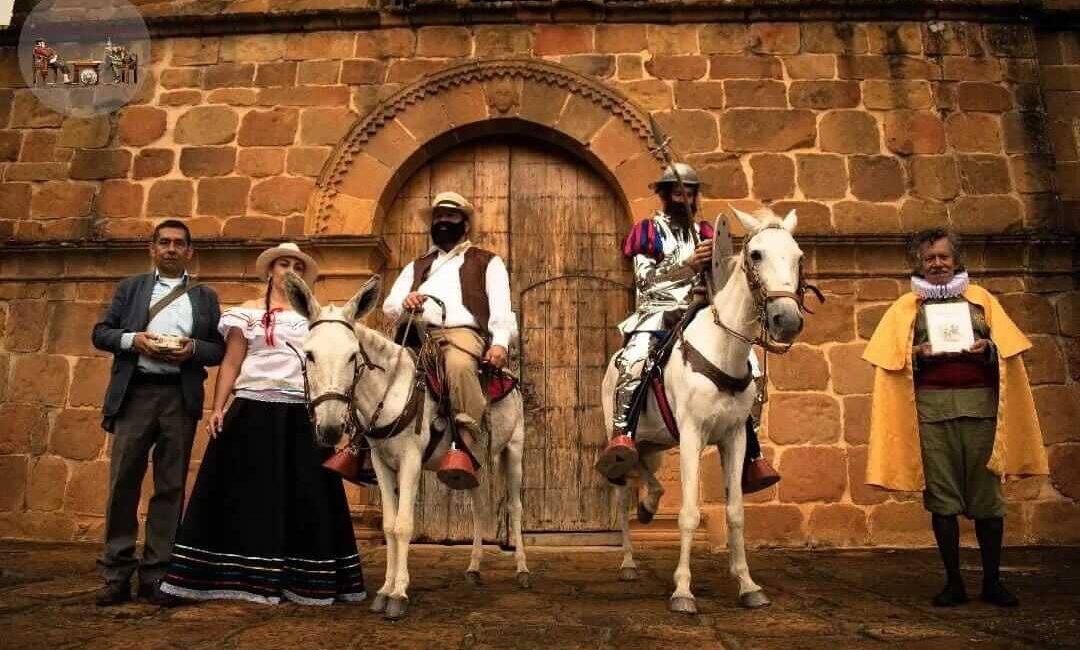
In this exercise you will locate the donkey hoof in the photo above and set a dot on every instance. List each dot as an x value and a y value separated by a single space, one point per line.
524 579
473 578
378 604
396 609
683 605
643 514
754 599
628 574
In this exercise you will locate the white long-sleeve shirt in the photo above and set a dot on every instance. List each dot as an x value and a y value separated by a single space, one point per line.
444 282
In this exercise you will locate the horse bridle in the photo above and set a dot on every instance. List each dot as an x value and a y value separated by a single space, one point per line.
762 296
361 363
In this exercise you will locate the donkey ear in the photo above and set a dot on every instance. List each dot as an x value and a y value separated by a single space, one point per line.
300 297
790 221
364 300
748 220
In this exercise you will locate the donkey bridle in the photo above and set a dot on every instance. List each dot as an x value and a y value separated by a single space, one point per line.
354 431
361 364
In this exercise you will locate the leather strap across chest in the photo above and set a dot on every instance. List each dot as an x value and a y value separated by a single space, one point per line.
724 382
409 414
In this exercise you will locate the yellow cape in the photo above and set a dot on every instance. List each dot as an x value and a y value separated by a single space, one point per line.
895 459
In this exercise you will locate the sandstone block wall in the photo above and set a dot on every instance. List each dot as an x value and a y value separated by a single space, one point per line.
869 129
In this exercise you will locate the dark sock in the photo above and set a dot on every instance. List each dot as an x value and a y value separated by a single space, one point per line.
753 447
990 533
947 534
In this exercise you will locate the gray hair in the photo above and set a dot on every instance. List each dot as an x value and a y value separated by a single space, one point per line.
928 237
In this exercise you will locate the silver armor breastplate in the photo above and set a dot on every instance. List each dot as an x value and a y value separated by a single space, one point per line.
666 284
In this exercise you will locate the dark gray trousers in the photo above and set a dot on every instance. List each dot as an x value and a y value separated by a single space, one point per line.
152 417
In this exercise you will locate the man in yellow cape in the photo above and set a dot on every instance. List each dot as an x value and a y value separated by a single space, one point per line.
945 425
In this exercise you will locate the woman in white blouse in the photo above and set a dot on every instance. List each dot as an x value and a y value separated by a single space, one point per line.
266 521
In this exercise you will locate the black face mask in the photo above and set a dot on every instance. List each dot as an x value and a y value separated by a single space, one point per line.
446 234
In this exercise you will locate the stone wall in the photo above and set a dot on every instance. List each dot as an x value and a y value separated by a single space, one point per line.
869 129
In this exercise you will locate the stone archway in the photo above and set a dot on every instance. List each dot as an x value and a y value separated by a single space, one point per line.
471 100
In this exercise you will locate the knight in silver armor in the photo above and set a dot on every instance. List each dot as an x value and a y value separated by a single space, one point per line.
669 254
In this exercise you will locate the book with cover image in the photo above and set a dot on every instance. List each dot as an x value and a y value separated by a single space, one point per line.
949 327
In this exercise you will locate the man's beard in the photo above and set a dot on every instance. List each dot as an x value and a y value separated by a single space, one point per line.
446 234
677 210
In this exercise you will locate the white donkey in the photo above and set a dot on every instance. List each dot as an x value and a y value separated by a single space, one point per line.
351 363
762 295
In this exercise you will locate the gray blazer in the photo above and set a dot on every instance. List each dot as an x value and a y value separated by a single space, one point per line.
128 313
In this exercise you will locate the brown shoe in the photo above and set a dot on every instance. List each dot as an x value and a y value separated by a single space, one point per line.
151 593
113 593
618 458
758 475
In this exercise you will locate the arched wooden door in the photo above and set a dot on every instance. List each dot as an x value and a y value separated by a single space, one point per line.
559 227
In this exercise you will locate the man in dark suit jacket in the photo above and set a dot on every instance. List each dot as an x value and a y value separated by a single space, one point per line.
154 400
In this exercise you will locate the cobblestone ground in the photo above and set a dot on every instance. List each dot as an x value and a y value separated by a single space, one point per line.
848 599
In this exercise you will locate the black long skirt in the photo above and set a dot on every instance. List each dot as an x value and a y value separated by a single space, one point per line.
266 521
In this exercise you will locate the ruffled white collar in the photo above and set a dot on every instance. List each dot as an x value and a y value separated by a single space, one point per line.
954 288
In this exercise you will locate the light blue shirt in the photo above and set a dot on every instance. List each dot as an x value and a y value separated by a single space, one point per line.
175 320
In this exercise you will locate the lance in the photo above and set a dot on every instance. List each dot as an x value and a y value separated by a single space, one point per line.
663 147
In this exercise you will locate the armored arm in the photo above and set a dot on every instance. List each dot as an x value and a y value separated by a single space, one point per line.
649 272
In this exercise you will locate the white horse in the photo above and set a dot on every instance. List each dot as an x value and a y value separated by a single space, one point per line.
380 376
762 294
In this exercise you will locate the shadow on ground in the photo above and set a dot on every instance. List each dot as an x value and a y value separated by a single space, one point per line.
821 599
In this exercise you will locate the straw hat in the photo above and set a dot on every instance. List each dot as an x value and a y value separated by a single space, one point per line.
451 200
288 249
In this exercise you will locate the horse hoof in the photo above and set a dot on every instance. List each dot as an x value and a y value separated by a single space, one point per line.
683 605
396 609
643 514
628 574
524 580
754 599
473 578
378 604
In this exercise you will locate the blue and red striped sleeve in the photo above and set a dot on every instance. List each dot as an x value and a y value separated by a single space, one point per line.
644 240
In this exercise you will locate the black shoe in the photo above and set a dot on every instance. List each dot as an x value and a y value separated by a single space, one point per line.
113 593
151 593
951 596
997 594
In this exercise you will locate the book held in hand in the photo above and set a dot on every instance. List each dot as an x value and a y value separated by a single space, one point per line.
949 327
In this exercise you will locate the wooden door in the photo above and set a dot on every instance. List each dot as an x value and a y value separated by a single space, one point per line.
559 227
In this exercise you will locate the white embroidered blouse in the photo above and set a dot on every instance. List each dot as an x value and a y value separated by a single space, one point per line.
271 370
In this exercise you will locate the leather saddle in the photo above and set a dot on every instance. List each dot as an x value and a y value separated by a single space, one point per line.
497 383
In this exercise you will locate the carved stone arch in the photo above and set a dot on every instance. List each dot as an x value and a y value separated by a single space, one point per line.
477 99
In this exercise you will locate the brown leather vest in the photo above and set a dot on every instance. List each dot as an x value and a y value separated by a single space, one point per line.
473 281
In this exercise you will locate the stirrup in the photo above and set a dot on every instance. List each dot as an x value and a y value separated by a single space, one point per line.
618 458
758 475
456 471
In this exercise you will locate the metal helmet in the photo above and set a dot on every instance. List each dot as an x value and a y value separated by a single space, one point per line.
686 172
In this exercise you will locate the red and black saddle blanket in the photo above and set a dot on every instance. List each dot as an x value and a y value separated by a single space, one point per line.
496 383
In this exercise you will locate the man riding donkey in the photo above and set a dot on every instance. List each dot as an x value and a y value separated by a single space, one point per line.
470 321
671 253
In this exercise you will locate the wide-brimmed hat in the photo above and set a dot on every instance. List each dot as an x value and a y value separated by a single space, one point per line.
451 201
288 249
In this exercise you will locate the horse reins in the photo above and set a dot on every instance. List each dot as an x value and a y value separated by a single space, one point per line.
362 363
762 296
